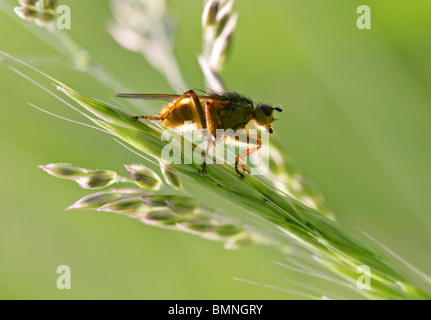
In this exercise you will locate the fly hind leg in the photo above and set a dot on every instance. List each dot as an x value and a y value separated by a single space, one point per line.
210 134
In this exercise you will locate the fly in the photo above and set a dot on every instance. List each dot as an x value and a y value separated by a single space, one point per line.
215 110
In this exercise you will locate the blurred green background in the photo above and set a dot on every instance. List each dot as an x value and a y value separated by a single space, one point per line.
357 121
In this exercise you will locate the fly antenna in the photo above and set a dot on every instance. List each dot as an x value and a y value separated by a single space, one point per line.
278 109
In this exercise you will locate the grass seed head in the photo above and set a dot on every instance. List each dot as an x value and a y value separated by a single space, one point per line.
95 200
42 12
26 13
97 179
28 3
171 177
129 205
144 177
64 170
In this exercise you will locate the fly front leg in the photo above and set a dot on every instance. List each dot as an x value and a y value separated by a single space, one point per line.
244 154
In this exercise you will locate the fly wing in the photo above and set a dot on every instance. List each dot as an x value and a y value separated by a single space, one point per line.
168 97
155 96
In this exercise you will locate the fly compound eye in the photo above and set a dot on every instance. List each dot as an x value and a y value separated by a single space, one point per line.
266 109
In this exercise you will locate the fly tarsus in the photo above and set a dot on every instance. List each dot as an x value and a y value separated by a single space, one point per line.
204 170
237 170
